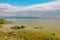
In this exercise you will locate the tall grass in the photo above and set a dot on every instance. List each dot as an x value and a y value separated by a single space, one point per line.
26 35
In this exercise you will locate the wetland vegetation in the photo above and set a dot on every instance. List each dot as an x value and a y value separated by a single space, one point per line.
23 33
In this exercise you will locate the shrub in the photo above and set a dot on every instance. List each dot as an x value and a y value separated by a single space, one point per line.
22 27
15 27
2 21
18 27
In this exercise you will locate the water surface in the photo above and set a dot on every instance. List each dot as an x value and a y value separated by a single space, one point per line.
50 24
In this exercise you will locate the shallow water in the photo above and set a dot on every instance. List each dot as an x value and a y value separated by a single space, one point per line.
50 24
37 22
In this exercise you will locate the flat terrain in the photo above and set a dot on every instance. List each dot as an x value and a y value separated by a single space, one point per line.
47 26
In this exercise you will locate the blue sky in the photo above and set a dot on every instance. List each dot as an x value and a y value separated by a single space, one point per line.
24 2
39 8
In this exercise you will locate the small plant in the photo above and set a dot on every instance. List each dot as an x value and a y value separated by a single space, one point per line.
15 27
22 27
2 21
18 27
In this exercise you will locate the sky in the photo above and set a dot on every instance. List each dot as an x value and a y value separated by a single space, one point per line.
24 2
29 8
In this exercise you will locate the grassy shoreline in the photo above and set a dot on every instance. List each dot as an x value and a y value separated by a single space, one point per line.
26 34
11 31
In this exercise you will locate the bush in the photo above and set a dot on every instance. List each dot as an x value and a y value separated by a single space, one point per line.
2 21
15 27
22 27
18 27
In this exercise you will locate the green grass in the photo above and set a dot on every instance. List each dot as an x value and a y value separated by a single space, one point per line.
26 35
18 27
3 21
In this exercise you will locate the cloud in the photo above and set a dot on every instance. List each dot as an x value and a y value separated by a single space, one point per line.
8 8
44 8
50 6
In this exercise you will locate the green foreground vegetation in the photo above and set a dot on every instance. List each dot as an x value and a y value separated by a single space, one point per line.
20 33
3 21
